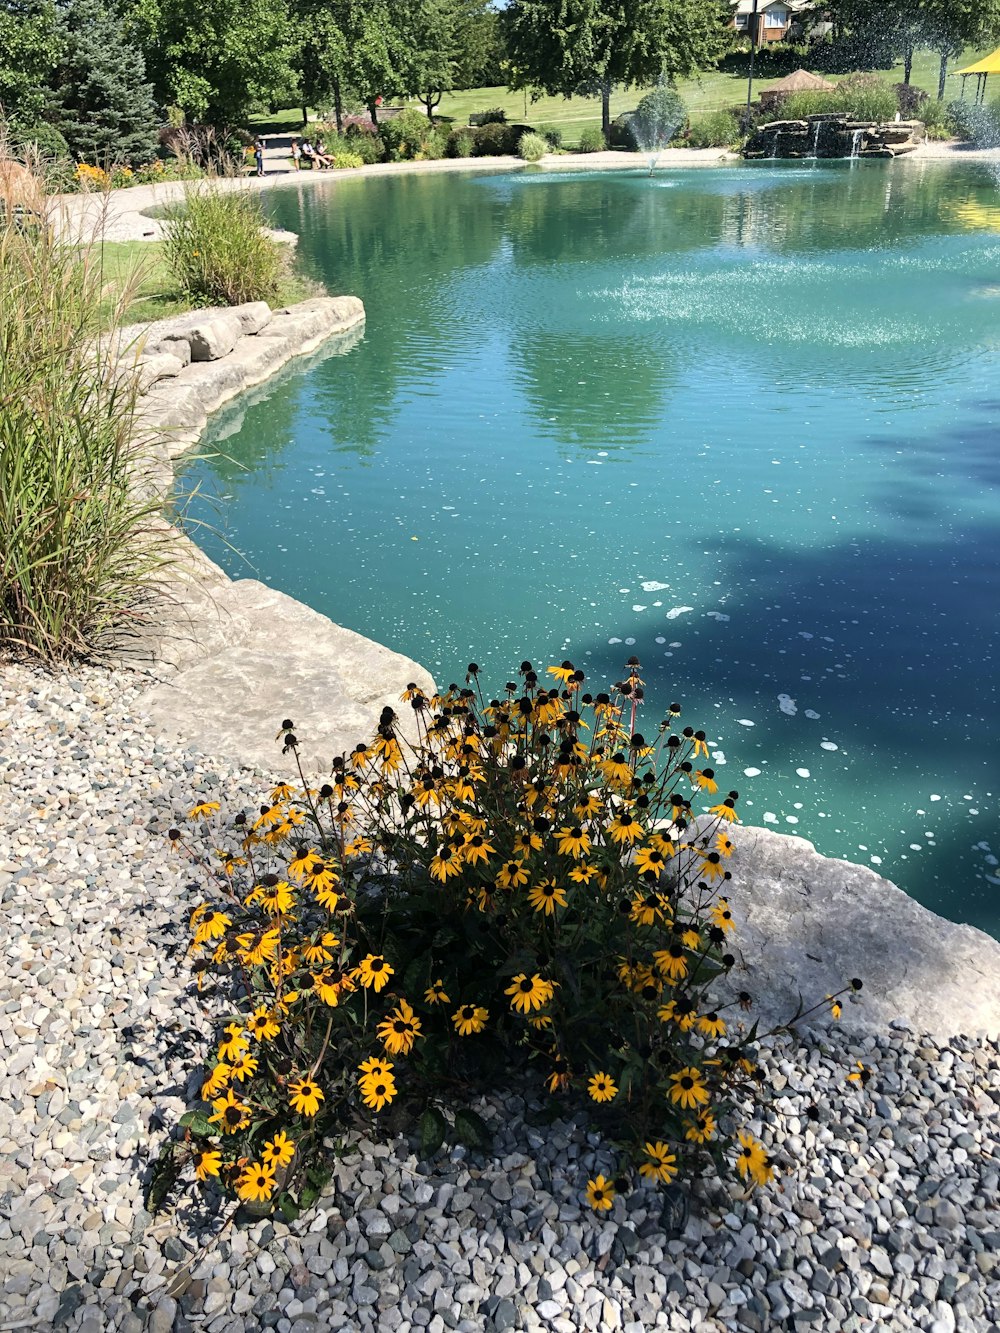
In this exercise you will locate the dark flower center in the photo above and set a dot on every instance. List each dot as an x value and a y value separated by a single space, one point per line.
687 1082
527 985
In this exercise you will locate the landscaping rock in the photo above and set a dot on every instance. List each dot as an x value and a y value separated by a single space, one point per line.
214 338
253 316
158 366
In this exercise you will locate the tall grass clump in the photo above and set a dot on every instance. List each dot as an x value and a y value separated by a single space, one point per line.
75 546
532 147
217 250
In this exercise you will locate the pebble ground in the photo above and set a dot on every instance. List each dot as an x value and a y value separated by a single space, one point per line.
886 1216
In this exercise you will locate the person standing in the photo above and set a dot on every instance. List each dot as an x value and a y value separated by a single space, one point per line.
296 155
258 154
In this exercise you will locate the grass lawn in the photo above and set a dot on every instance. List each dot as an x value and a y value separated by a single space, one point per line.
142 265
708 92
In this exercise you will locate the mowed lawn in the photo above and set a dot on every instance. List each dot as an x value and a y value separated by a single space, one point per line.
710 91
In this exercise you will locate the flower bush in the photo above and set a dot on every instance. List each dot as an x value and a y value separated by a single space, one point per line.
528 889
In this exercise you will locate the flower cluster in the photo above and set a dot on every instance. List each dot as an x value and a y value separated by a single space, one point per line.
527 885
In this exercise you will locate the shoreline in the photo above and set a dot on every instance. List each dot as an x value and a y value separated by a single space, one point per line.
120 215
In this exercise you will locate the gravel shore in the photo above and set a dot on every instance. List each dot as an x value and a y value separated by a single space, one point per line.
886 1214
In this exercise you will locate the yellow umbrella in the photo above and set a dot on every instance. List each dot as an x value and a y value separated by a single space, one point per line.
982 69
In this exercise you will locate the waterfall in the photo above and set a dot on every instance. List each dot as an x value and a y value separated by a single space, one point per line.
815 139
856 142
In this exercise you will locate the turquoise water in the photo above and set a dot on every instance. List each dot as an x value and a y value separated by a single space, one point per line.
741 422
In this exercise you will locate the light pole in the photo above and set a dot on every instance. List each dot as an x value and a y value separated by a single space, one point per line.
753 52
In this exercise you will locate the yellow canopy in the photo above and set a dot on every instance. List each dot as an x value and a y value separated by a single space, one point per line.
988 65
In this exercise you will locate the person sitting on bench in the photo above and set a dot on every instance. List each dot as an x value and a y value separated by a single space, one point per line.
314 157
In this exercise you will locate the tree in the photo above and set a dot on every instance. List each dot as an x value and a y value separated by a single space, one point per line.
565 46
447 40
952 25
102 103
216 60
321 57
31 42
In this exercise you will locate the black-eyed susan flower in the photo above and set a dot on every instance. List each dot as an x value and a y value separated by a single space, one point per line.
573 841
275 899
701 1128
751 1155
726 810
546 896
374 972
203 810
279 1151
712 1025
660 1163
305 1096
704 778
219 1078
625 828
690 938
512 874
399 1029
564 674
256 948
559 1078
359 846
234 1045
687 1088
762 1170
860 1074
211 925
206 1162
436 993
328 986
527 993
377 1092
526 842
447 863
650 861
243 1068
672 961
582 873
649 908
722 915
711 867
256 1183
836 1008
587 807
470 1019
477 849
602 1087
600 1194
724 845
320 950
229 1113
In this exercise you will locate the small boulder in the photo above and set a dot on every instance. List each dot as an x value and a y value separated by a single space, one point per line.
214 338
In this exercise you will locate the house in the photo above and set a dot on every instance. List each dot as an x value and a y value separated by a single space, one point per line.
775 19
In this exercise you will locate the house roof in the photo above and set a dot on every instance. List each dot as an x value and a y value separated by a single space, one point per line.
802 81
988 65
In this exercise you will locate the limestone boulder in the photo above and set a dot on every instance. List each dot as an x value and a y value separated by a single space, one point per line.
259 357
215 337
253 316
235 659
214 382
160 366
807 924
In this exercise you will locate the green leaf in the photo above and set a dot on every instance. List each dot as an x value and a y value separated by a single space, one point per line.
472 1129
432 1131
289 1209
309 1195
163 1178
198 1123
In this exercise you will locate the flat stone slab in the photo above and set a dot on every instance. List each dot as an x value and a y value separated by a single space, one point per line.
807 924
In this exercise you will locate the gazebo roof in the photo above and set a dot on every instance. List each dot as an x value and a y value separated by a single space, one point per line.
802 81
988 65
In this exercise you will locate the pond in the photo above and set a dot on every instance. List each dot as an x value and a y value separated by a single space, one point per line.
740 422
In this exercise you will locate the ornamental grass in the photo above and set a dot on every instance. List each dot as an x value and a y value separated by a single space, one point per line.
76 543
532 889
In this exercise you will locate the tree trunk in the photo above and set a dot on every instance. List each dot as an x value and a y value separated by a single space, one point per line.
305 116
907 63
606 109
942 74
338 106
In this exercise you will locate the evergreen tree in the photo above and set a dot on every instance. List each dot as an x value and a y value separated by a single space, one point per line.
102 103
30 48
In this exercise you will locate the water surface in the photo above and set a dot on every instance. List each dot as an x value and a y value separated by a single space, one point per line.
741 422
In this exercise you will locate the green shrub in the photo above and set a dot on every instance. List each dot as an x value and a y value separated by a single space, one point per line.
494 116
404 136
365 142
622 135
592 140
867 97
934 114
658 117
436 144
344 161
532 147
217 251
493 140
76 543
46 153
978 123
715 129
461 143
524 893
552 135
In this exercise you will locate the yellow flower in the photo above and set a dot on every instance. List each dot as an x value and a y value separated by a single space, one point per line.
661 1163
564 674
255 949
546 896
583 872
216 1081
279 1151
399 1029
726 810
712 1025
688 1090
527 993
273 898
230 1114
527 842
243 1068
305 1096
235 1046
447 863
650 908
587 806
600 1194
435 993
701 1129
751 1156
321 950
377 1089
625 828
860 1074
300 863
722 916
560 1076
470 1019
572 841
374 972
672 962
705 779
725 845
207 1162
602 1088
211 926
256 1183
650 861
512 875
477 849
836 1009
203 809
321 877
